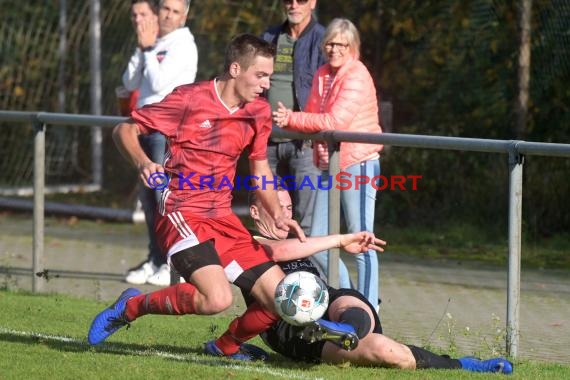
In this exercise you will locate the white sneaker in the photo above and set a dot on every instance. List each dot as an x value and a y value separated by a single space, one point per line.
161 277
140 275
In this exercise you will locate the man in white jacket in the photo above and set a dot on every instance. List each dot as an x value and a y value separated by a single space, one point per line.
166 57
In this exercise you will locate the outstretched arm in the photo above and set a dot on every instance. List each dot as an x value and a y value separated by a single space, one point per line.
292 249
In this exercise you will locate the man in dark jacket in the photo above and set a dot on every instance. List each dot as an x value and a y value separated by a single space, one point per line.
299 54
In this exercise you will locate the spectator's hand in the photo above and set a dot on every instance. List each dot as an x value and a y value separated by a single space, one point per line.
289 225
152 175
147 31
281 116
361 242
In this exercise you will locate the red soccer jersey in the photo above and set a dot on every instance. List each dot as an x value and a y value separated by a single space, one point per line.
204 141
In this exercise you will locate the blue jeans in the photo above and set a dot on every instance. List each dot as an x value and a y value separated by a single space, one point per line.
154 146
358 210
295 159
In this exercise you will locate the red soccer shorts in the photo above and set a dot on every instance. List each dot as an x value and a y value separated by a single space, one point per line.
236 248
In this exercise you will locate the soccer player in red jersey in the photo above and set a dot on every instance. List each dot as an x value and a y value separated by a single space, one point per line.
207 126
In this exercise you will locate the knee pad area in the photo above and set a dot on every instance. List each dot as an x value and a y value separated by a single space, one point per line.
359 319
191 259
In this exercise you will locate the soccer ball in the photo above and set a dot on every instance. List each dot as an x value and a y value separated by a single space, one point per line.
301 298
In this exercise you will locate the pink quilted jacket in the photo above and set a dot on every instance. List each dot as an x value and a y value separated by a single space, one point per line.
351 105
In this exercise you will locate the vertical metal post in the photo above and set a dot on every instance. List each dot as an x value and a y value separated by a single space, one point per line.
334 212
386 110
516 162
525 17
38 222
62 53
95 70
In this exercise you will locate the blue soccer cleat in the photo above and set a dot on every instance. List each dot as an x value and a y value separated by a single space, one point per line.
111 319
247 352
341 334
496 365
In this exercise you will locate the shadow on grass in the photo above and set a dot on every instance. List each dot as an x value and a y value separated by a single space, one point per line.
175 353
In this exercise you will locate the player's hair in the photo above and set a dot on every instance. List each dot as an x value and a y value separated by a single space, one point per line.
153 4
345 28
244 48
252 195
186 5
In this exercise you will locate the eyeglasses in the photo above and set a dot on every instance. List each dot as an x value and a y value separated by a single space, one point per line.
338 45
300 2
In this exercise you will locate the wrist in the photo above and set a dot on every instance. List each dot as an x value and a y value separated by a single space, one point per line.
146 49
142 162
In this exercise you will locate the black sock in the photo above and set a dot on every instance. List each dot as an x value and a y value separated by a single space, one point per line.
357 318
426 359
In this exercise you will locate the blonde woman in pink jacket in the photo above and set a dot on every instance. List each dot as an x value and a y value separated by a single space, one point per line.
343 97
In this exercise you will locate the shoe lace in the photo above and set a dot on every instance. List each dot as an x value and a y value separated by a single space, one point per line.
115 323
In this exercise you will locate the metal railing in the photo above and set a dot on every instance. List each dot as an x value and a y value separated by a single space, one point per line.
515 150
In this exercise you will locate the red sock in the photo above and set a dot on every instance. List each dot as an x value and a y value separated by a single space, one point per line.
254 321
174 300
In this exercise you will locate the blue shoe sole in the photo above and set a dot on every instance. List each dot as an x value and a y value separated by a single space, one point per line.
332 332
